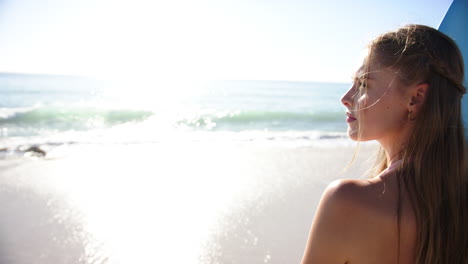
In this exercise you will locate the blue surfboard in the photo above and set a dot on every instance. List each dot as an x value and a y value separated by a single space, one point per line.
455 25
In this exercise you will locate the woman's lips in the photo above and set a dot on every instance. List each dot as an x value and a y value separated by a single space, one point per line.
350 118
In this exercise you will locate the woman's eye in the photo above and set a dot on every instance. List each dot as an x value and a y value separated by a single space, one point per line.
362 84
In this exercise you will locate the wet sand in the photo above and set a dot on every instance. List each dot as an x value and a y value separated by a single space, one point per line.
166 203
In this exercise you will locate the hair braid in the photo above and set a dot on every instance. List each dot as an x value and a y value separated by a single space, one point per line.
440 69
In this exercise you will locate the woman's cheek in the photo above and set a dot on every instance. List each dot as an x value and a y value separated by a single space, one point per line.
362 102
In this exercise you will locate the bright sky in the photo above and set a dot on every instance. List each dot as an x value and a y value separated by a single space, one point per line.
296 40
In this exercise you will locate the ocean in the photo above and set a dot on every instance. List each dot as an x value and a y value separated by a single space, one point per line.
143 171
51 111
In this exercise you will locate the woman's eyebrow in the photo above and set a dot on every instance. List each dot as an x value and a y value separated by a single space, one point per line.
361 75
367 75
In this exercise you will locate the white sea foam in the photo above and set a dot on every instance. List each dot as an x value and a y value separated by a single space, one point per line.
6 113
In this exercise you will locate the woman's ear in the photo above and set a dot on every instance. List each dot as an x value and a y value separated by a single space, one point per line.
418 96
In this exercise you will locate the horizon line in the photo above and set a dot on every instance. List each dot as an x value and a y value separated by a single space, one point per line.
172 79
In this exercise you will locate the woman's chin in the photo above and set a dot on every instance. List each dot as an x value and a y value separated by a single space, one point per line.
353 135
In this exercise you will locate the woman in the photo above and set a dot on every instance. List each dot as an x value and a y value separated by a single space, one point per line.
414 208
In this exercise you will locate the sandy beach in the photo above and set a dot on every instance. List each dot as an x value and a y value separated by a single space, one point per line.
166 202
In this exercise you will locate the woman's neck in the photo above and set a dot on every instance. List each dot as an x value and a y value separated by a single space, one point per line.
393 159
395 144
393 152
394 164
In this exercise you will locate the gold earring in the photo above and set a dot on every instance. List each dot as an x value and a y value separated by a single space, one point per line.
410 116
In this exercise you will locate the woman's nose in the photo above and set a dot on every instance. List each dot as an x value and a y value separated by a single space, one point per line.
346 100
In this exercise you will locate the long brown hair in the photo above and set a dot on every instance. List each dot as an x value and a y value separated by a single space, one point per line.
433 161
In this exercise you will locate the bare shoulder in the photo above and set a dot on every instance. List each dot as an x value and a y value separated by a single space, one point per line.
347 190
349 221
365 195
367 204
346 196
